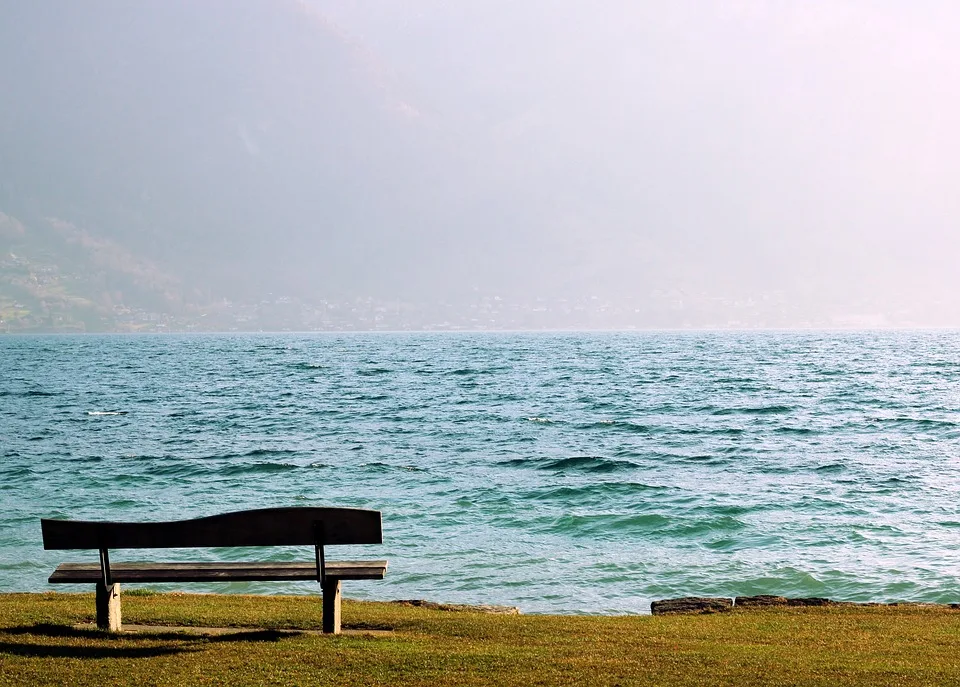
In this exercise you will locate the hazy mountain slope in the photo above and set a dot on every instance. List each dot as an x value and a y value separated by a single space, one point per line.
242 145
56 276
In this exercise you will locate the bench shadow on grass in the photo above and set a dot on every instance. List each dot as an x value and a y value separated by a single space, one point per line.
120 646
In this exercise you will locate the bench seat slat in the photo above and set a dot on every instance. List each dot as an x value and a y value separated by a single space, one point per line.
79 573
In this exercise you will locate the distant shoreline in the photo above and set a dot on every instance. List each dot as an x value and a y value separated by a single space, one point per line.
494 332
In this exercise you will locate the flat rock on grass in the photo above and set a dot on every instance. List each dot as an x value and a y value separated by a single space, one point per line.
812 601
692 604
760 600
767 600
707 604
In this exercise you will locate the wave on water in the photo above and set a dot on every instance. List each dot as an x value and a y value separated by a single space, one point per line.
918 422
755 410
374 372
631 525
29 393
607 525
213 457
625 426
107 412
306 366
242 469
468 371
601 492
387 467
706 431
790 581
588 464
183 413
593 464
799 431
701 459
178 469
18 472
184 469
258 452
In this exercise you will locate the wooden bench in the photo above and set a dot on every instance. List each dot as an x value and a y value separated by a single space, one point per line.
317 527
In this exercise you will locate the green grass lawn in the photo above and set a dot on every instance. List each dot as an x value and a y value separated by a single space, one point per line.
782 646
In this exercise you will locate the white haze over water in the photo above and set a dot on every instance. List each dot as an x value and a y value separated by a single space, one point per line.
738 148
685 163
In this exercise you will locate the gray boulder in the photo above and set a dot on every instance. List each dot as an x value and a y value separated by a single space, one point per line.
691 604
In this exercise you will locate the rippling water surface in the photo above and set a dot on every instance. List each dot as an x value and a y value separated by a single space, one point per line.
555 472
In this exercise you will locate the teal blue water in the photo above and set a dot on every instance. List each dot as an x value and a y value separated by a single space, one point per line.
554 472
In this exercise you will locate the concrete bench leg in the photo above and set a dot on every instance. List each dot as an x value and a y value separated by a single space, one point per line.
331 606
108 607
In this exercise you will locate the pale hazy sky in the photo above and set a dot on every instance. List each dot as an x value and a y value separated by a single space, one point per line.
434 147
793 140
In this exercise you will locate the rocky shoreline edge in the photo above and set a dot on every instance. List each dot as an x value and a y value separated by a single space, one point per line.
692 605
721 604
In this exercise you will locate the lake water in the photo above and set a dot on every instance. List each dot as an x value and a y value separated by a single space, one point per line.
561 472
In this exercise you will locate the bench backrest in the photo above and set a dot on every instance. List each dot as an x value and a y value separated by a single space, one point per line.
264 527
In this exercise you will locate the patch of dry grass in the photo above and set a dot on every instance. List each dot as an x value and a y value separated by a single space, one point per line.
782 646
